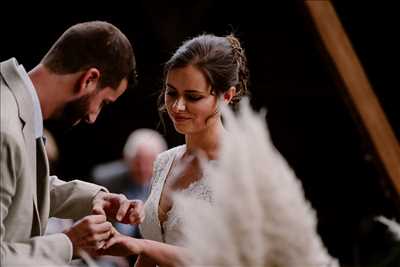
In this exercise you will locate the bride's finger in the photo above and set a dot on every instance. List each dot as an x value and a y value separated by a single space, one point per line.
112 241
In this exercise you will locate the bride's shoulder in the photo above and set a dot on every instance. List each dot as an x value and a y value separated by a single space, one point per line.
170 153
164 157
162 160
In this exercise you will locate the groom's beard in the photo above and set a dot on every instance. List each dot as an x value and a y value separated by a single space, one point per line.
74 112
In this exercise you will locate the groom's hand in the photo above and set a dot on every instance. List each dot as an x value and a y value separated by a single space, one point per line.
90 233
118 207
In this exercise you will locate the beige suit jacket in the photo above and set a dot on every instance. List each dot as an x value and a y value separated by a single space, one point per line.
28 195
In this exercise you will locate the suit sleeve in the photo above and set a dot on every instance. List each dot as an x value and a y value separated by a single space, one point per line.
56 246
72 200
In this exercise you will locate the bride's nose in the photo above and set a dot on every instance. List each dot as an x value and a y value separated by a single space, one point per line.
179 105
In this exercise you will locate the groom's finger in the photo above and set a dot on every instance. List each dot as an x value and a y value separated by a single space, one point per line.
102 227
95 219
123 208
98 203
100 244
101 237
98 208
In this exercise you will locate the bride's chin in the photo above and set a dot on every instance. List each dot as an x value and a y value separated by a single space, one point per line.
181 130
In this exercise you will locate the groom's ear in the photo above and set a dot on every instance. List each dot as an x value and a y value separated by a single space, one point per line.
88 82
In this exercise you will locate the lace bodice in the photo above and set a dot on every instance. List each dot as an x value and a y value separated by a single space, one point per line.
151 227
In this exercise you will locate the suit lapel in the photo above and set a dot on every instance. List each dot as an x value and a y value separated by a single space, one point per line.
26 110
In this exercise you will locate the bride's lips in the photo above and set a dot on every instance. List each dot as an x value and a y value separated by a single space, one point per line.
180 118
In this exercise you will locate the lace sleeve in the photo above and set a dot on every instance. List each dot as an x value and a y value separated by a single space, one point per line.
158 166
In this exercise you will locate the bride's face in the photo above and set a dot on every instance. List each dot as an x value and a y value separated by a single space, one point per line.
189 101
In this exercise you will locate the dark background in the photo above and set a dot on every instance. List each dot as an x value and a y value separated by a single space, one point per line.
310 119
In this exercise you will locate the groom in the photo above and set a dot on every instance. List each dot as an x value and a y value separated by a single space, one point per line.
88 67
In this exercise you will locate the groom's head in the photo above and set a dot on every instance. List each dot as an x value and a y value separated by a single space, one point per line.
100 61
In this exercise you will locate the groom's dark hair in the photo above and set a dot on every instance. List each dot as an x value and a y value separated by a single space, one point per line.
94 44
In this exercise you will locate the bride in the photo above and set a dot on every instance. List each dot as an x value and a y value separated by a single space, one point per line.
242 205
203 73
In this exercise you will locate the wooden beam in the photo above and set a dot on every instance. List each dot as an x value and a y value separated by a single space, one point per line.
357 85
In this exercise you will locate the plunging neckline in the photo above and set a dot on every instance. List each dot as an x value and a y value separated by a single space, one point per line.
164 178
169 231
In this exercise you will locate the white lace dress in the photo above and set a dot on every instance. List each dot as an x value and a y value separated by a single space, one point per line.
170 232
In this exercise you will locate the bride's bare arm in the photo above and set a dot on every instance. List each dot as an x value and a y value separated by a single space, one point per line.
161 254
150 252
143 261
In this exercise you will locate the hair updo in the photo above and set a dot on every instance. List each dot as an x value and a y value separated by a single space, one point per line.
221 59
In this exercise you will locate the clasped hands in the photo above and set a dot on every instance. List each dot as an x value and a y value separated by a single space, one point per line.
92 232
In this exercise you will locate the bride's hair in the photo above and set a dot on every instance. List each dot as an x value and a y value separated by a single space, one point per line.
221 59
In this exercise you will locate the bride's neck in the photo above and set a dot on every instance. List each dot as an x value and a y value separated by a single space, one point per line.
206 141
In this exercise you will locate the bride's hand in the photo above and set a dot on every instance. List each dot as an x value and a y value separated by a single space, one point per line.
121 245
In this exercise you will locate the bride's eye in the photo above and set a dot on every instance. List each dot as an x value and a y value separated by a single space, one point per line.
170 93
194 98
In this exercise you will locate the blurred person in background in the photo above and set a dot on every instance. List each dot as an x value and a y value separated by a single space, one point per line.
132 175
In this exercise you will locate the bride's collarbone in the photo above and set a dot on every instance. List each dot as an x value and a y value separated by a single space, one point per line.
182 180
180 183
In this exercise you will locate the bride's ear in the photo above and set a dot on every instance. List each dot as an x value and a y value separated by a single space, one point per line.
229 94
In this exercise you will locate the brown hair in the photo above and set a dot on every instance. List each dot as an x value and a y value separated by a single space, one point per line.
221 59
95 44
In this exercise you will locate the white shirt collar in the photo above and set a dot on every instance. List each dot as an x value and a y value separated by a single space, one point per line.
38 116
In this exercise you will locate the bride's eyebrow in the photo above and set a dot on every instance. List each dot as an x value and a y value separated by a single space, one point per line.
186 91
193 91
171 86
